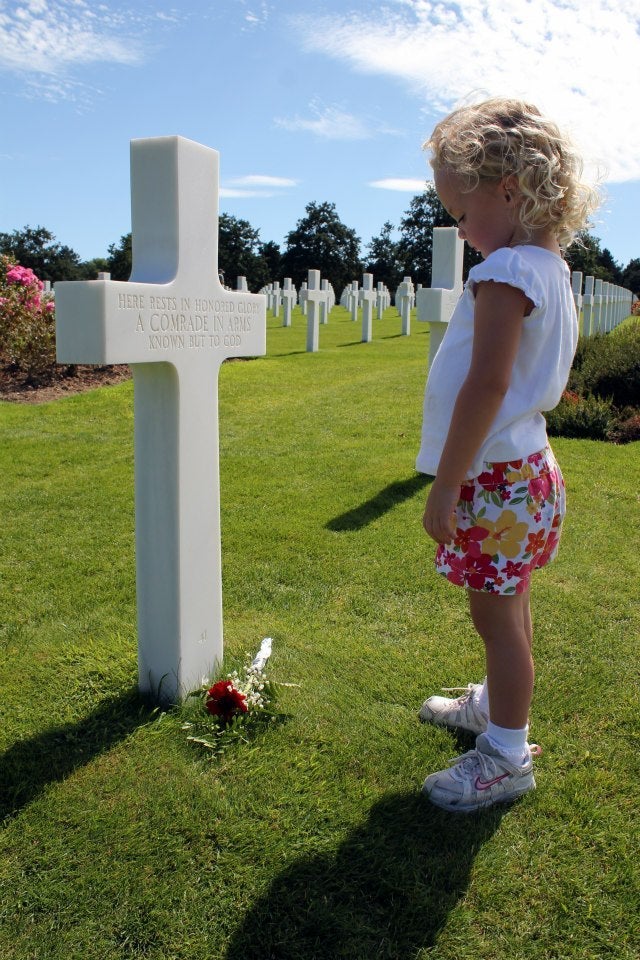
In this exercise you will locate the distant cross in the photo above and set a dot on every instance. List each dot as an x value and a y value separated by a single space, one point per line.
380 300
367 299
314 297
324 302
289 297
174 322
275 298
353 300
405 296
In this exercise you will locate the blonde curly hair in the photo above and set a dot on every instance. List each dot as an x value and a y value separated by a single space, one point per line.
501 137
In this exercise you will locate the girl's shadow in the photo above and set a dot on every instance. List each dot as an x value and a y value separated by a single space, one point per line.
385 893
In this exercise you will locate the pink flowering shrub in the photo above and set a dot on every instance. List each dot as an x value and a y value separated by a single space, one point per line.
27 323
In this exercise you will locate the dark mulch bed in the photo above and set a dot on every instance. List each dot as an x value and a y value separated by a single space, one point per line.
15 388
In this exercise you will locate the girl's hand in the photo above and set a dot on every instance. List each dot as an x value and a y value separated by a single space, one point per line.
439 514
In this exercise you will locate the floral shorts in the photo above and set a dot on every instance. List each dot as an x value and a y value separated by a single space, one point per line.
508 523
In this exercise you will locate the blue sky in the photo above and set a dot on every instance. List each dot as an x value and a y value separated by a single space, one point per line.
319 101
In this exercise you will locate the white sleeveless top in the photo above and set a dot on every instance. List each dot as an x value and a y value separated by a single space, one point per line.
541 368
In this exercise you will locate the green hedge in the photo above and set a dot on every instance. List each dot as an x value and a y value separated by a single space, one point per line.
602 400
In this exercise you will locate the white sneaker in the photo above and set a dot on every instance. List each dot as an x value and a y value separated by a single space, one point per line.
459 714
480 778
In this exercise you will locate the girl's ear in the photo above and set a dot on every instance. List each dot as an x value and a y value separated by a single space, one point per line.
510 188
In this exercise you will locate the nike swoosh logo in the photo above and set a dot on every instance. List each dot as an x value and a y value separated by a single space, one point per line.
487 784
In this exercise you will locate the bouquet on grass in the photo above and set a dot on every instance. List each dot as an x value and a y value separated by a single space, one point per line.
232 708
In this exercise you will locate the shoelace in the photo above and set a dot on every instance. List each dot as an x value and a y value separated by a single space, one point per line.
475 761
467 692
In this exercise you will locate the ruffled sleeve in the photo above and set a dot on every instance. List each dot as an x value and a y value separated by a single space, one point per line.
509 265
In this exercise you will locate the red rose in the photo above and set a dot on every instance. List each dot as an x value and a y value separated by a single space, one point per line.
225 701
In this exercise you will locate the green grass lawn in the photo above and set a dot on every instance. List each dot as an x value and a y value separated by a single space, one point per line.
311 841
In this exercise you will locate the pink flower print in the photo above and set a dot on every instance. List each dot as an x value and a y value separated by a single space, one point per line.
535 458
540 487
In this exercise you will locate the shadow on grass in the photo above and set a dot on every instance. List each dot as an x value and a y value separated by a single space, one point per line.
32 764
385 500
385 893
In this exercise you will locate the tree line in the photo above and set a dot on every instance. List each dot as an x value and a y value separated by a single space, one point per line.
320 240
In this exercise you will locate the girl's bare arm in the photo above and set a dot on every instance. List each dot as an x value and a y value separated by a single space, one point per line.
499 313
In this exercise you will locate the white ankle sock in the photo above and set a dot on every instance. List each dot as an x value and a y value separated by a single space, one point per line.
481 698
511 743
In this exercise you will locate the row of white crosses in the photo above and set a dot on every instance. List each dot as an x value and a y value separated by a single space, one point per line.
600 304
355 296
287 297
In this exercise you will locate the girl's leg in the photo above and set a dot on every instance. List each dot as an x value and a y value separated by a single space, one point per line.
504 623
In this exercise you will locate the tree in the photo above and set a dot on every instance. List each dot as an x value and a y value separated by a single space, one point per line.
91 268
382 258
322 242
631 276
119 258
415 249
38 250
272 261
238 256
585 256
608 264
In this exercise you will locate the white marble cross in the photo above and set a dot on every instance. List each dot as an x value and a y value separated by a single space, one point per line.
367 299
175 324
353 300
324 302
404 299
436 303
289 297
313 299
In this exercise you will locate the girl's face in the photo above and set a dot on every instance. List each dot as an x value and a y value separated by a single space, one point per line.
486 216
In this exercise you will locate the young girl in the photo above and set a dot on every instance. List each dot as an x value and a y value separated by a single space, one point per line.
511 182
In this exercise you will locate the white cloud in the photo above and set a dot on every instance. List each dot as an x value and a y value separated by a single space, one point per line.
42 36
256 17
580 62
261 180
329 122
235 192
45 41
256 185
401 184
